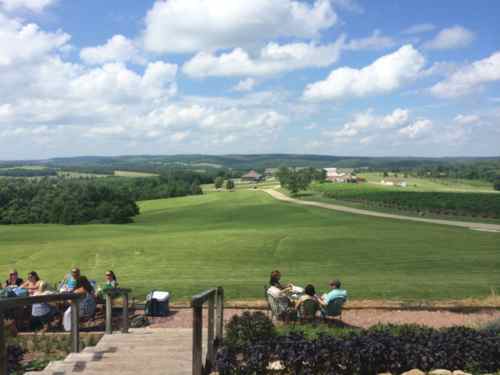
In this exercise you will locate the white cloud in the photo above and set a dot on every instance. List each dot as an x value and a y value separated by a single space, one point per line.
272 59
32 5
26 42
385 74
469 78
116 49
195 25
467 119
417 129
311 126
368 121
245 85
396 118
419 28
453 37
375 42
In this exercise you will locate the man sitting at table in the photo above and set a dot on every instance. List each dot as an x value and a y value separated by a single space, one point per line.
334 293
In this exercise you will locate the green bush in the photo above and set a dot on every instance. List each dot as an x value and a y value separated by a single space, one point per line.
248 328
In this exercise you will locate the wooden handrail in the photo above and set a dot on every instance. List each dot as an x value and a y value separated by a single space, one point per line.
215 299
109 294
13 302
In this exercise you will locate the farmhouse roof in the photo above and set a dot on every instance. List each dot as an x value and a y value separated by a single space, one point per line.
252 174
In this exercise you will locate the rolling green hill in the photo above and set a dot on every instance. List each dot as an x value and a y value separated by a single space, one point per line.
235 239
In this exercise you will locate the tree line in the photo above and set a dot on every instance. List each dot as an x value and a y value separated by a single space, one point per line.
78 201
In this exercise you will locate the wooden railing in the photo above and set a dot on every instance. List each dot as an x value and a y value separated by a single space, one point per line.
109 295
20 302
215 299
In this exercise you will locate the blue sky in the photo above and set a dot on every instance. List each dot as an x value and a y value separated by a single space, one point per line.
384 78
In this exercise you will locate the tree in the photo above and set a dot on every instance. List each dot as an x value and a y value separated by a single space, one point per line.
496 186
196 188
297 180
230 184
282 175
219 181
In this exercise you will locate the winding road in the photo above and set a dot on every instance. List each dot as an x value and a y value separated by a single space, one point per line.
470 225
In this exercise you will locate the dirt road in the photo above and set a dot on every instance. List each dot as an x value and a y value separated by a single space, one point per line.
474 226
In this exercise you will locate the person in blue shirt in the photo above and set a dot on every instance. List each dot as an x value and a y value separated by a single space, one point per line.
335 292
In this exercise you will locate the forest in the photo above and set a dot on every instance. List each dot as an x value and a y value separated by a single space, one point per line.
88 200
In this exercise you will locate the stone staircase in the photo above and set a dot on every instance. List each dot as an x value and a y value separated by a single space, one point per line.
158 351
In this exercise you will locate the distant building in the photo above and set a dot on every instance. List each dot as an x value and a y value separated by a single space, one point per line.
252 176
337 175
270 172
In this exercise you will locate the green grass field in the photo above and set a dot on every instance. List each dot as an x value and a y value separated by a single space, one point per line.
432 184
235 239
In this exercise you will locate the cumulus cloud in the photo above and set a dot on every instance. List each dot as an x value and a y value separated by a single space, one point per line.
245 85
467 119
26 42
385 74
374 42
469 78
272 59
396 118
116 49
419 28
416 129
450 38
194 25
32 5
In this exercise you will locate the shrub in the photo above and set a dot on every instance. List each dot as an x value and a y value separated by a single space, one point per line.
392 349
249 328
14 357
493 326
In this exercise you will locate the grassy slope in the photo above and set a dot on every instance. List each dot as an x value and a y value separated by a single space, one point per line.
236 239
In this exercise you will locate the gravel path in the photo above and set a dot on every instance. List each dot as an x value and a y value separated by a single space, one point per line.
182 318
475 226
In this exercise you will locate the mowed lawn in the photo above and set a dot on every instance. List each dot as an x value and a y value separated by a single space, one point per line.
235 239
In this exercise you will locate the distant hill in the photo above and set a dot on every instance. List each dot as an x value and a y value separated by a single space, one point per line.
240 162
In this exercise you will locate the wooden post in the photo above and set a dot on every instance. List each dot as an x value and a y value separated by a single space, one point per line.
220 315
109 315
210 334
75 326
197 339
3 347
125 313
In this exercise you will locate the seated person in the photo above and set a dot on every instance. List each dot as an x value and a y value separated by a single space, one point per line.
279 301
32 285
87 303
42 313
275 281
13 281
308 305
111 282
69 282
335 293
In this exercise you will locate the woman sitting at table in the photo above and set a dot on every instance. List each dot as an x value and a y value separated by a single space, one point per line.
87 303
42 313
111 282
308 304
32 285
69 282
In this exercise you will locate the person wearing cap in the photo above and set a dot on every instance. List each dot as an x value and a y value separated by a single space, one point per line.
335 292
14 280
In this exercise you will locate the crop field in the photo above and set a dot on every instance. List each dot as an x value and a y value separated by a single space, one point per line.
235 239
433 184
447 204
